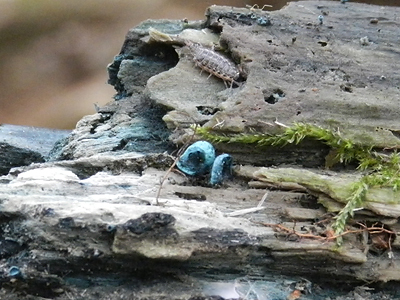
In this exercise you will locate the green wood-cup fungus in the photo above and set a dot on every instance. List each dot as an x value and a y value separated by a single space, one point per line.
221 169
199 159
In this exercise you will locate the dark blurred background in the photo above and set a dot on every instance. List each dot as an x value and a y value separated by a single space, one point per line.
54 53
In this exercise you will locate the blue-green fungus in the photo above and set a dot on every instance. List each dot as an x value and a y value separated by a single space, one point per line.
111 228
263 21
197 159
15 272
221 169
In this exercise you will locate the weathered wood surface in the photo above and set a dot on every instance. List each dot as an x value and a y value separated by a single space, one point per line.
294 70
109 221
90 214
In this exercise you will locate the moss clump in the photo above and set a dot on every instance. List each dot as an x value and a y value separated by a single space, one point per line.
345 150
383 170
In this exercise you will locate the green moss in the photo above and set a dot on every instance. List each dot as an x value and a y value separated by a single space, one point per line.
346 150
383 170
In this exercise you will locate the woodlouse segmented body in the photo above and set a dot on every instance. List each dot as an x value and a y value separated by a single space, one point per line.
214 63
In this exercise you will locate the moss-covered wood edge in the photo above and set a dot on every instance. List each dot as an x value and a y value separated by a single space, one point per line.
379 169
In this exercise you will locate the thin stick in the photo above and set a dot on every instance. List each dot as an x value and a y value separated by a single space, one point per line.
180 152
280 124
263 199
371 230
244 211
249 210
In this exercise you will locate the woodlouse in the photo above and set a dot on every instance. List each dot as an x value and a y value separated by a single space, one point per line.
214 63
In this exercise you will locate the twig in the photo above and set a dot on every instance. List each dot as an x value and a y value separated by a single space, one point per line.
249 210
380 229
219 123
371 230
280 124
180 152
263 199
244 211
